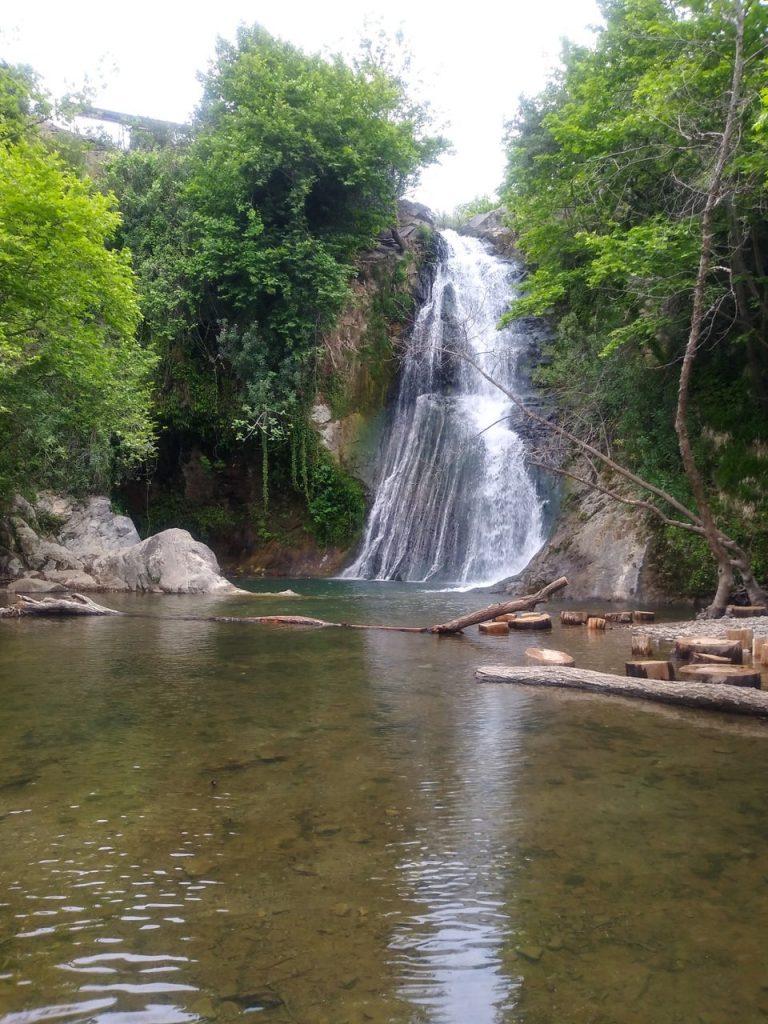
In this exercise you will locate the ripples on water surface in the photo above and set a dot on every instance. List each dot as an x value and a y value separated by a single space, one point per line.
207 822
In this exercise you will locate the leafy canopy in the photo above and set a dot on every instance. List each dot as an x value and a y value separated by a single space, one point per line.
74 396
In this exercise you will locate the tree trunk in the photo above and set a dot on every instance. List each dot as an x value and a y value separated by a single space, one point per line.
713 197
704 696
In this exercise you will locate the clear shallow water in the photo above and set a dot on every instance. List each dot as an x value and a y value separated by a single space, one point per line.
208 822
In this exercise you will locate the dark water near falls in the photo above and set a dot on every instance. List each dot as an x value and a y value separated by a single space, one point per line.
214 822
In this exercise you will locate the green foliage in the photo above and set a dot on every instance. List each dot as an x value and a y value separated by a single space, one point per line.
244 235
170 510
605 183
336 503
74 392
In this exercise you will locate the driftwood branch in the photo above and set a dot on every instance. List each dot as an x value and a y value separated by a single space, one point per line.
706 696
50 607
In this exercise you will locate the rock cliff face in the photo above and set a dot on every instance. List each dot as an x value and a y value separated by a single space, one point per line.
492 228
602 548
361 356
62 544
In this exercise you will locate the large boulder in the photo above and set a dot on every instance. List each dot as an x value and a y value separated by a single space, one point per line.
62 543
171 562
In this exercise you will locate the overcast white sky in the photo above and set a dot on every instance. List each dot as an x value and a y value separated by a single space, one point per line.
143 56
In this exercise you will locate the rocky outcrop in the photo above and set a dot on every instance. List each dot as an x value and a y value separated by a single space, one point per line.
361 354
60 544
491 228
600 545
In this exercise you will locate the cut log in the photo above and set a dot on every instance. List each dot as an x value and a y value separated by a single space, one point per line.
540 621
746 611
642 645
505 618
744 636
729 675
686 645
595 622
544 656
617 616
758 644
698 658
494 628
651 670
703 696
74 604
643 616
573 618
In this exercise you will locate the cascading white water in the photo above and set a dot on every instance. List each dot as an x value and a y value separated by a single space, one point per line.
454 501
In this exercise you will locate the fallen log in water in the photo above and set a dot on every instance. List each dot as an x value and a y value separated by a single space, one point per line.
705 696
74 604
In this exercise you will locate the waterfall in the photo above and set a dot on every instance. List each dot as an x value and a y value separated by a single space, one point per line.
455 502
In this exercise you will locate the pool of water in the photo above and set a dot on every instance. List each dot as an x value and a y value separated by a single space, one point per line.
217 822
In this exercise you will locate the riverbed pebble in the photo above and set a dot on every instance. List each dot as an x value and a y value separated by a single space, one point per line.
704 627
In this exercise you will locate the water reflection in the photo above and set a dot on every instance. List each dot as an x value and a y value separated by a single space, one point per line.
452 870
200 822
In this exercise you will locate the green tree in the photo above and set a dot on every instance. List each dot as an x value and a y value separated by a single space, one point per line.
245 238
74 391
635 183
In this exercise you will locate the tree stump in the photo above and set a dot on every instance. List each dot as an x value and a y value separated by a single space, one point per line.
760 650
533 620
506 618
722 674
494 628
746 611
685 646
573 618
642 645
744 636
543 656
651 670
622 617
595 622
643 616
